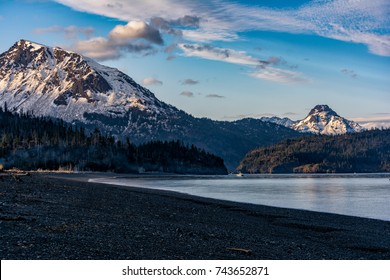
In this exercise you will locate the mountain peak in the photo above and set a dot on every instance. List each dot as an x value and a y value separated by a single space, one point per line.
323 120
21 54
23 43
63 84
322 108
28 54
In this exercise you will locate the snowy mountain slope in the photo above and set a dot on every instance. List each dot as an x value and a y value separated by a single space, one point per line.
323 120
320 120
57 83
53 82
280 121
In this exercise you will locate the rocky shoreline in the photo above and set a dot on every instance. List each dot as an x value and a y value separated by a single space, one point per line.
46 216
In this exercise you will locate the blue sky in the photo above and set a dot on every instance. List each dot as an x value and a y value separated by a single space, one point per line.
226 59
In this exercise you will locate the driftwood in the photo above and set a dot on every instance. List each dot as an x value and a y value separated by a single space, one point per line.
245 251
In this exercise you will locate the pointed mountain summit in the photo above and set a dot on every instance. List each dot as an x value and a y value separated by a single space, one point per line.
323 120
53 82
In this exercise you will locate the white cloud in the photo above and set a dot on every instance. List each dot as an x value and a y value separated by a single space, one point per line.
121 39
135 9
279 75
100 48
219 54
356 21
205 36
363 22
149 81
97 48
136 30
265 69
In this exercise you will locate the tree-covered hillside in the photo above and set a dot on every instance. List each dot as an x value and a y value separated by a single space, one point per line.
31 143
367 151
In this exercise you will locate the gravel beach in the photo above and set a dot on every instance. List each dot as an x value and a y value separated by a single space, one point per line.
46 216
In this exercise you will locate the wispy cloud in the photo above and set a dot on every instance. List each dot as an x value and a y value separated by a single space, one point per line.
149 81
219 54
362 22
214 96
189 82
206 36
279 75
136 9
187 94
70 32
171 26
264 69
349 72
380 121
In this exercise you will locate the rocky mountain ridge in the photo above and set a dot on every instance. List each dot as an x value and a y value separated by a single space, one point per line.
53 82
323 120
320 120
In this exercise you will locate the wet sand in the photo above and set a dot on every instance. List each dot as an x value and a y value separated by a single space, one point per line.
54 216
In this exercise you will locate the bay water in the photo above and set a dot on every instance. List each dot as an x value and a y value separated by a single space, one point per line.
362 195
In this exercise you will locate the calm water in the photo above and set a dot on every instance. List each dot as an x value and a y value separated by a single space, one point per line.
363 195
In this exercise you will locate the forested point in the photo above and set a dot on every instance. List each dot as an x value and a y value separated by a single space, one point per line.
367 151
32 143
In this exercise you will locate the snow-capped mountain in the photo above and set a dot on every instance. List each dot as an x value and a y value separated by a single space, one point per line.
53 82
280 121
323 120
320 120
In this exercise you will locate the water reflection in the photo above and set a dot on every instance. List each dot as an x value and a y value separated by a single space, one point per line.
364 195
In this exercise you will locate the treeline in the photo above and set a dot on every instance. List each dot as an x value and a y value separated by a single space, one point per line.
367 151
32 143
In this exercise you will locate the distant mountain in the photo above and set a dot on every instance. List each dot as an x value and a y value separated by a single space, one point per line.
46 81
320 120
280 121
323 120
368 151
